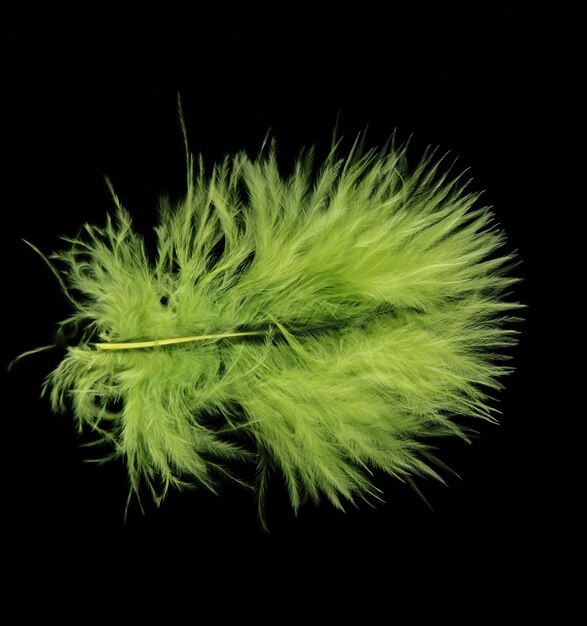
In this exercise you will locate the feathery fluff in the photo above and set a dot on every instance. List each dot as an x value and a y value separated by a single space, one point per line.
368 309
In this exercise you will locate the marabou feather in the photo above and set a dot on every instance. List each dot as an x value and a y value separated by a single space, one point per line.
378 298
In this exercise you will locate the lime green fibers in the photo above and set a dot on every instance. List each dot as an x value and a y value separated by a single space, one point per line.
365 304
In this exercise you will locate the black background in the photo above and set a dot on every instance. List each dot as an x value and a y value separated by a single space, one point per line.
91 91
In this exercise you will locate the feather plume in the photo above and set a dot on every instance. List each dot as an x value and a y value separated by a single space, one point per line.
335 319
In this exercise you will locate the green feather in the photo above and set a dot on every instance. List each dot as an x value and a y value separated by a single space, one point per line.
335 321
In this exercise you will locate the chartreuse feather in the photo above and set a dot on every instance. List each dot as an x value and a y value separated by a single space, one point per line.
366 306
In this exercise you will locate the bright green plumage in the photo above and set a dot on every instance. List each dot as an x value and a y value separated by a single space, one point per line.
377 295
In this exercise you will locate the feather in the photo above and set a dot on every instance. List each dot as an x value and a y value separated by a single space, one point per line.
334 320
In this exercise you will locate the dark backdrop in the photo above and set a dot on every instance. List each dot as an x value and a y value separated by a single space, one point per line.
91 91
